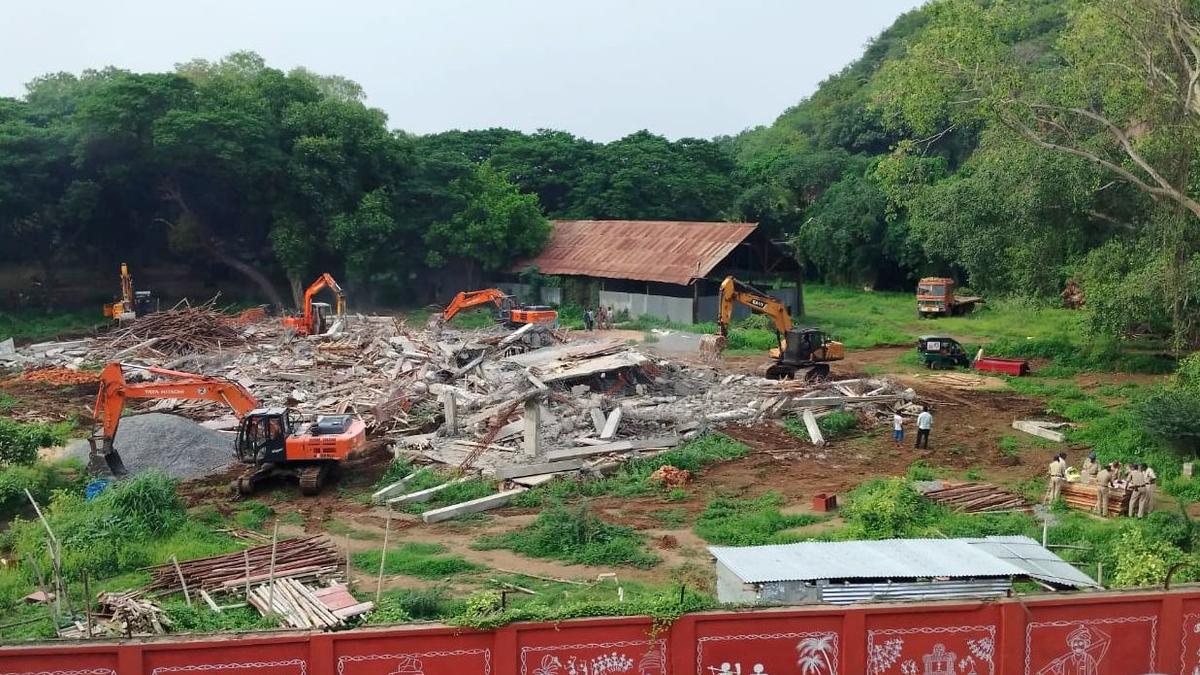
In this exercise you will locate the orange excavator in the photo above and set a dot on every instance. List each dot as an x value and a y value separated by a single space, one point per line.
316 317
508 311
273 441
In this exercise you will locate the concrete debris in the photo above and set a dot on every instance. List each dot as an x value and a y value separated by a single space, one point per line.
1046 430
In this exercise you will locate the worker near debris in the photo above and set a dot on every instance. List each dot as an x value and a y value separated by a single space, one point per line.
1058 476
1103 478
1089 470
601 318
1137 491
611 316
924 425
588 319
898 429
1151 481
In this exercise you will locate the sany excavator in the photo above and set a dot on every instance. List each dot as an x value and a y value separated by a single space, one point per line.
132 304
274 441
508 311
800 349
316 317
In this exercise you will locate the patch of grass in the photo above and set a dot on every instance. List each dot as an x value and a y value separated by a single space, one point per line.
633 477
399 468
36 326
1070 356
670 518
252 515
407 604
415 559
199 618
749 522
482 317
342 529
837 423
575 535
1010 445
291 518
457 493
41 479
8 403
920 470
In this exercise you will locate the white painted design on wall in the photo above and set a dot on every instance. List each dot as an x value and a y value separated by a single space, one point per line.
411 663
885 652
816 654
1086 645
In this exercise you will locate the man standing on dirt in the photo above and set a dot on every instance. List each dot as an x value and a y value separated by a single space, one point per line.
1058 476
898 429
924 424
1137 492
1103 478
1151 481
601 318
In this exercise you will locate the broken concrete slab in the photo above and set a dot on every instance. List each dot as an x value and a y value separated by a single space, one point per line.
474 506
814 430
519 470
598 419
611 424
383 494
616 446
1040 429
532 420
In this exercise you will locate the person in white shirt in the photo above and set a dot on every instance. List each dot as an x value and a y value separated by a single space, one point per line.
898 429
924 424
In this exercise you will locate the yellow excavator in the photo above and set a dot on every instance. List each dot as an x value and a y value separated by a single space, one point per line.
132 303
802 352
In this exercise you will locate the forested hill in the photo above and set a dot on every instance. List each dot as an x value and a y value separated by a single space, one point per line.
1014 144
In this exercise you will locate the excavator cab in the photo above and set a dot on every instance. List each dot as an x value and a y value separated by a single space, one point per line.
262 435
322 317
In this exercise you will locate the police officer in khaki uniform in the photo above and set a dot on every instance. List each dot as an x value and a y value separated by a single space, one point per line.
1103 478
1089 470
1151 481
1058 475
1137 492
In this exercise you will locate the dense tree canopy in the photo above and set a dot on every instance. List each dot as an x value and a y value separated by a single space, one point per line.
1014 144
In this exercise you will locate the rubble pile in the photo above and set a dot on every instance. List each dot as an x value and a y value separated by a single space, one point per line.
174 332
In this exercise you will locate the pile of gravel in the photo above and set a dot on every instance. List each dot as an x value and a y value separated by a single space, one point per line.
174 445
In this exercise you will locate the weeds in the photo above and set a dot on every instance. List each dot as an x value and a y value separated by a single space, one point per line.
252 515
415 559
454 494
20 441
670 518
1010 445
34 325
749 522
575 535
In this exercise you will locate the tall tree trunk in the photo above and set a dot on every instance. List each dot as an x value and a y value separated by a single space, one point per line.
249 271
297 286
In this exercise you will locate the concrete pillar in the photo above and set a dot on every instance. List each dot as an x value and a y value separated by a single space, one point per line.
533 419
450 412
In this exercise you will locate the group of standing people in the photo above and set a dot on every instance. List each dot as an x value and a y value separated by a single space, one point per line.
924 426
600 318
1138 479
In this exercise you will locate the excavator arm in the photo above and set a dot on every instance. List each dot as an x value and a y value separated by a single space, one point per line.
305 324
734 291
469 299
115 391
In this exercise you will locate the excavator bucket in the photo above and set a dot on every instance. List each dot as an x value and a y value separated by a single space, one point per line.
99 460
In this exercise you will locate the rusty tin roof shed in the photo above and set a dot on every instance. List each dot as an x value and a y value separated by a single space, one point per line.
668 251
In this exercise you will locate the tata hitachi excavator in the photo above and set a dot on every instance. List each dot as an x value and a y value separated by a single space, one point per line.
273 441
802 352
316 317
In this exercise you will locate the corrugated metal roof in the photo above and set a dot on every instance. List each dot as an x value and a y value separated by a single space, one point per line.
673 252
1038 562
895 559
845 594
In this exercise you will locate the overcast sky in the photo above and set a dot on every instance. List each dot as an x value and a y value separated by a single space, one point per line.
599 68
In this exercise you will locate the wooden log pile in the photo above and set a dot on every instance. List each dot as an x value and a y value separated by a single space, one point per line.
129 614
298 606
1083 498
977 498
305 558
172 333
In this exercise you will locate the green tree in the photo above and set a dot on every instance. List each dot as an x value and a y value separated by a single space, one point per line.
495 225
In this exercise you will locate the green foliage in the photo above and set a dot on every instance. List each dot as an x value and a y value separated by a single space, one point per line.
886 509
920 470
20 442
39 325
1010 445
253 514
199 618
1073 356
749 522
398 606
633 478
578 536
1174 415
1185 490
454 494
837 423
41 479
1142 560
416 559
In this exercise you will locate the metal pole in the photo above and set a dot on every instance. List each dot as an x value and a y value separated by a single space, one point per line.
271 573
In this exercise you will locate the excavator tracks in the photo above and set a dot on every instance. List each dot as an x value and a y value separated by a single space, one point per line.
312 478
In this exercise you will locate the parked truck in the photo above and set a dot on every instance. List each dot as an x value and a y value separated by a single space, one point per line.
936 297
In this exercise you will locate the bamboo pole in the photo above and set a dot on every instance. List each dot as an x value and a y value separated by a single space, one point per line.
55 559
87 604
271 574
387 528
246 559
182 582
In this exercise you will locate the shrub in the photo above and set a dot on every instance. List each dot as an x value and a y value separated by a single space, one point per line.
20 442
748 522
578 536
838 423
1173 414
41 479
1185 490
1142 560
886 509
1010 445
920 470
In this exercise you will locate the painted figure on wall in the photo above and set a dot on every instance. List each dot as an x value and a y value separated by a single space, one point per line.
1086 649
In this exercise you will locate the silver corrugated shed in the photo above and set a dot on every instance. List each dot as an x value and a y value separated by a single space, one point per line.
886 559
898 559
1035 560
